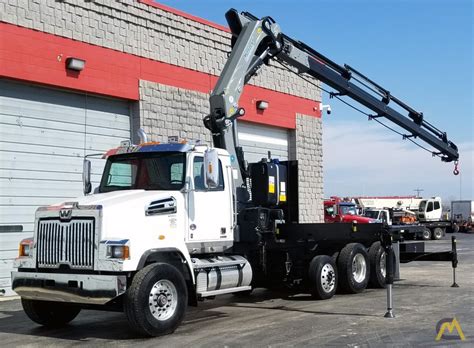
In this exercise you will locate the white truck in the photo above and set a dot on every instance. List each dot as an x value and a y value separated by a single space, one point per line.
171 224
403 223
428 222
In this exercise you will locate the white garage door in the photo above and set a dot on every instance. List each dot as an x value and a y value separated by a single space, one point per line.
44 135
256 140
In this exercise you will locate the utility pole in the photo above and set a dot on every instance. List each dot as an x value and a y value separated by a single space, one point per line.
418 190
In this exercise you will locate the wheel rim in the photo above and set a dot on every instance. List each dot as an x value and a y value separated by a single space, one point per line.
426 234
163 300
383 270
438 234
328 278
359 268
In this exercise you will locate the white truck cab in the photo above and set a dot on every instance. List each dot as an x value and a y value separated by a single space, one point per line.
430 210
154 203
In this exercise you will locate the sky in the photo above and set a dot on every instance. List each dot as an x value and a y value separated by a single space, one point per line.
420 50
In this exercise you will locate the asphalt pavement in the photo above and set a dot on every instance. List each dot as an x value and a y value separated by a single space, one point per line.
267 319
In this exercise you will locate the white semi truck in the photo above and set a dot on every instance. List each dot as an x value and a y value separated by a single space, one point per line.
171 224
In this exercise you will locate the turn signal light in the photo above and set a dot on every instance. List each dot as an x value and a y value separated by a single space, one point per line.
25 248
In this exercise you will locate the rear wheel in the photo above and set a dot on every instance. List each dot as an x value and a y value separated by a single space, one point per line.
377 261
156 301
50 314
437 233
322 277
353 268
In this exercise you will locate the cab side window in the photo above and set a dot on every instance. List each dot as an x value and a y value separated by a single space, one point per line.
430 207
198 175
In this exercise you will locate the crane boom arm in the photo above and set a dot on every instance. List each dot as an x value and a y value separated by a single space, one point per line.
256 41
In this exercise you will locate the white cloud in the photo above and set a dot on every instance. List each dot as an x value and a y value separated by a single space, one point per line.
363 158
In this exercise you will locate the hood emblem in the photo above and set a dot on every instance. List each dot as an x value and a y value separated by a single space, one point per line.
65 214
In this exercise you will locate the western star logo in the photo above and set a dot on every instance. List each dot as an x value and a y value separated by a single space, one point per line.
449 324
65 214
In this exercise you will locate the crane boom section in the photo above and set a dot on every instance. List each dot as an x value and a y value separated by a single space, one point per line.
256 42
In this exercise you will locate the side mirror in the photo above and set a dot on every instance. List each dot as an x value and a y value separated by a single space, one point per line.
211 168
86 176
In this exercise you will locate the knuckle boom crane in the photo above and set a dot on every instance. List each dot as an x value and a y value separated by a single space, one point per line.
258 41
171 224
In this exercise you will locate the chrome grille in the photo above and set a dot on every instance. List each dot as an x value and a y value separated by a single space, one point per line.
69 243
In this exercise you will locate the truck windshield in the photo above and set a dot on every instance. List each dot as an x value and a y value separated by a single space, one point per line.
373 214
348 209
147 171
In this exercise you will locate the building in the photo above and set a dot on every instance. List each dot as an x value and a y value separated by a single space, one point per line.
146 66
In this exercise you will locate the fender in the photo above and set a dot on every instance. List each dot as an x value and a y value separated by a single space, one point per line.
176 258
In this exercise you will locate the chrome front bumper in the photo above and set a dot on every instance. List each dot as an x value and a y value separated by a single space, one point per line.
73 288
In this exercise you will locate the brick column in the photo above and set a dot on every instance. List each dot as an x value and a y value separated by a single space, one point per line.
305 145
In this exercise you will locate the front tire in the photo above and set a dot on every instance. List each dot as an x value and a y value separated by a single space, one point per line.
49 314
156 301
322 275
353 268
377 261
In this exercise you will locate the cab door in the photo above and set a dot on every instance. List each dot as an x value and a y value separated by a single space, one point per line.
209 210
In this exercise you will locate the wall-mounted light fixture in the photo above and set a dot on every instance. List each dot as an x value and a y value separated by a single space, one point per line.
75 64
262 105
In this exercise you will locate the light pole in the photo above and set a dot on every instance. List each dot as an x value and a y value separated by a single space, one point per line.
418 190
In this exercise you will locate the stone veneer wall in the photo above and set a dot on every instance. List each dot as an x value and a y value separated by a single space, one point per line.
133 27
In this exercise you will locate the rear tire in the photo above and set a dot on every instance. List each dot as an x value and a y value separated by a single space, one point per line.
156 301
377 261
353 268
322 275
437 233
49 314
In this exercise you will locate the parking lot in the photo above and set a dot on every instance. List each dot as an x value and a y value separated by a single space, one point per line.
265 318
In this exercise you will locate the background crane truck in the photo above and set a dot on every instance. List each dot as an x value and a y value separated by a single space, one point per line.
423 218
173 223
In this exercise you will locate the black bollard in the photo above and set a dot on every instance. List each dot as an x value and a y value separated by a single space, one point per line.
454 261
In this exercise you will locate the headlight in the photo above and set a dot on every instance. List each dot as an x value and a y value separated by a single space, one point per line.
26 248
118 252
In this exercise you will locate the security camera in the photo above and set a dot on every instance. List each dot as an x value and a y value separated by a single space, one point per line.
325 106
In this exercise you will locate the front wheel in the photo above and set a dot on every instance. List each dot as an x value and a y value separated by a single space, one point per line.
156 301
49 314
323 277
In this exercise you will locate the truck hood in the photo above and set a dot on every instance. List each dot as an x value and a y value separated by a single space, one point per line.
132 214
359 219
115 198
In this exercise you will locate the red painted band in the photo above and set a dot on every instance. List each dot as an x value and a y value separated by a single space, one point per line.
38 57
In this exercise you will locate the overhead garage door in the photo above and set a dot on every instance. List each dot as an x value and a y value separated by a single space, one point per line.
256 140
44 135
